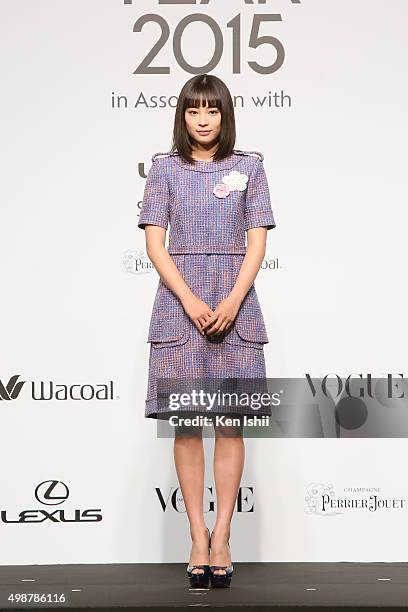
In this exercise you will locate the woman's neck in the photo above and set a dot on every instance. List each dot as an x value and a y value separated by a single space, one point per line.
203 154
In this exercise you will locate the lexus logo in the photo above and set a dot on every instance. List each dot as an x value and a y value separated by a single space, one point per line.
51 492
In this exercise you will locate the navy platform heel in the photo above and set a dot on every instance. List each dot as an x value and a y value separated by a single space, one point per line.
221 580
200 580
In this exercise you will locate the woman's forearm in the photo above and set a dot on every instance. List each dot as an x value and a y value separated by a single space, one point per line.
168 271
251 262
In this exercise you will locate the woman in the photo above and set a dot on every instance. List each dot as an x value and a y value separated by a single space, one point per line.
206 321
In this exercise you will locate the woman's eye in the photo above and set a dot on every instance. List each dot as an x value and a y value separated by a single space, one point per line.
193 112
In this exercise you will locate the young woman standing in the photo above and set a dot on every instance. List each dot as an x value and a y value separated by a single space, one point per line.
206 320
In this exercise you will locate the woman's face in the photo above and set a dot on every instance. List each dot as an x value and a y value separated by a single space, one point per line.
203 124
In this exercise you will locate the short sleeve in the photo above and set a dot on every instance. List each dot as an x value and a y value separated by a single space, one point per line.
155 205
258 210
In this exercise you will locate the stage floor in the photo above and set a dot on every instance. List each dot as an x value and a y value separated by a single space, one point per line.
255 586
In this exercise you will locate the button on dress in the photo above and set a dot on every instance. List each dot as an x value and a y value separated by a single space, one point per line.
209 206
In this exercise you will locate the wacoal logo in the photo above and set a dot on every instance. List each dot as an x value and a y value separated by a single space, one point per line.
52 493
174 499
43 391
12 389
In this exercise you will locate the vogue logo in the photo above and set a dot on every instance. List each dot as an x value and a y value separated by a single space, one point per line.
52 493
358 385
174 499
51 391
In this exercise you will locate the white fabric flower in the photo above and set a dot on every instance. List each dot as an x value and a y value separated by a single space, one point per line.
235 180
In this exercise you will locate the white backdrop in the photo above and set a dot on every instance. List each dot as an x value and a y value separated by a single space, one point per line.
78 291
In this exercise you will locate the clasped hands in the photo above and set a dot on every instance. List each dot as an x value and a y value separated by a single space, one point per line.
212 322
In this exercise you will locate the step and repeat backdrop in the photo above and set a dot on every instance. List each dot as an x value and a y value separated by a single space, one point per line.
89 91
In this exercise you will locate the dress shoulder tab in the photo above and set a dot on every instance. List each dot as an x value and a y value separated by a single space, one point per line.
254 153
157 155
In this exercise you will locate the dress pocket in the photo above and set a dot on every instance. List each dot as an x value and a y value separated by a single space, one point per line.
248 328
169 324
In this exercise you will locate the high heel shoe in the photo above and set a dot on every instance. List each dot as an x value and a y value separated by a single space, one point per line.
200 580
221 580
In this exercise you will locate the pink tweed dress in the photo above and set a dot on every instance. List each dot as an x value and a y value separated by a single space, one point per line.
209 207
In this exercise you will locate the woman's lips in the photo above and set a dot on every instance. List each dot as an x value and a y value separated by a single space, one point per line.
203 132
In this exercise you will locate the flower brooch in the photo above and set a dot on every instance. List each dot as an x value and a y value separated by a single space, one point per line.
234 181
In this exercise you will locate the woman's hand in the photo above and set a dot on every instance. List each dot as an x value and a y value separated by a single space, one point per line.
223 316
198 311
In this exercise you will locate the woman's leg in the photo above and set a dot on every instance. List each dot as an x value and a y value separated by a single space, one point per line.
229 456
190 467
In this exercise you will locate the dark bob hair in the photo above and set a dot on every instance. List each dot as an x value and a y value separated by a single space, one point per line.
208 90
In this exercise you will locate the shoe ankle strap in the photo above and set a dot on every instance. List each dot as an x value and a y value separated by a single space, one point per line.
224 567
191 567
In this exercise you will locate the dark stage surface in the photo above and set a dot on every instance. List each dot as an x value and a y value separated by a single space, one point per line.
255 586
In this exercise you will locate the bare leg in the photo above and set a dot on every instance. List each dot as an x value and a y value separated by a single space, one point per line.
190 467
229 455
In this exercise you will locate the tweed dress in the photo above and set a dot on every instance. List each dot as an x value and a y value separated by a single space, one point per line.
207 244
